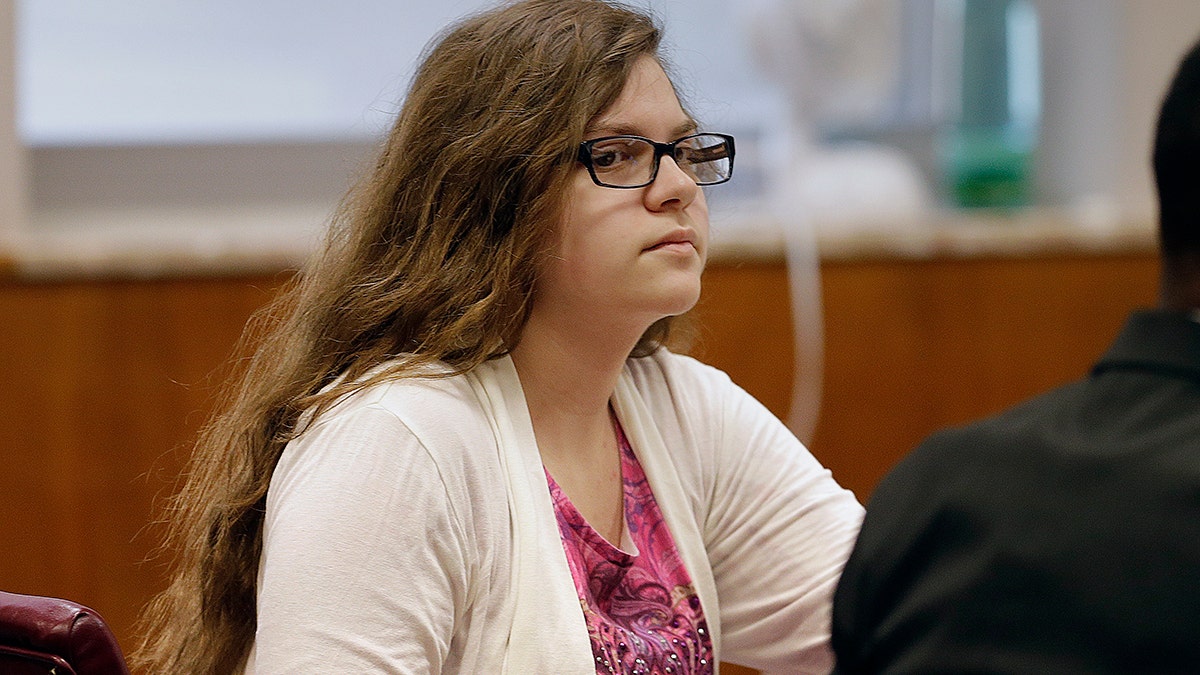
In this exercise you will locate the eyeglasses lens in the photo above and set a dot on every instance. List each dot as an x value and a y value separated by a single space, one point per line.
623 161
705 158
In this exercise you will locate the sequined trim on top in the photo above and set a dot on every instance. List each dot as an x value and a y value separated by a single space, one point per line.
642 612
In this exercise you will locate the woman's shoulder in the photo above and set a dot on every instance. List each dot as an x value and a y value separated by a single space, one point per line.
431 430
439 410
668 376
700 400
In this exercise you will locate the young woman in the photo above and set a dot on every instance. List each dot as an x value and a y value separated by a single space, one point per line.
463 447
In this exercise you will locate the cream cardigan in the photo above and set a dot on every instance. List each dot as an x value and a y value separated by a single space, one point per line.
411 530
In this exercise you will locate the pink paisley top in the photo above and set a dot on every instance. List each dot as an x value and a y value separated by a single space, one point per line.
642 613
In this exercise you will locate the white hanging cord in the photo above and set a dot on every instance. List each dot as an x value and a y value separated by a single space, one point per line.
803 257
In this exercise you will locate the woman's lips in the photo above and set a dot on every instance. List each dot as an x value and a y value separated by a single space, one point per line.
683 240
673 246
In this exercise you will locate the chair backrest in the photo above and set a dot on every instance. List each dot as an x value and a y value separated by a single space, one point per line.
46 635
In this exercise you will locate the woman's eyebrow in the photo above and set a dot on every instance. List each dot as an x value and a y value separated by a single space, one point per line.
688 127
623 129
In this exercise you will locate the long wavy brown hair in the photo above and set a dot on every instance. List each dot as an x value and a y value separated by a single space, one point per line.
432 258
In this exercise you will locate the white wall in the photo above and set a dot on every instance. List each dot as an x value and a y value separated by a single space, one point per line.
1106 64
1154 35
1077 159
261 108
175 71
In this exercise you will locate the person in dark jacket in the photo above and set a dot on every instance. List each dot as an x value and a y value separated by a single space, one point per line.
1063 535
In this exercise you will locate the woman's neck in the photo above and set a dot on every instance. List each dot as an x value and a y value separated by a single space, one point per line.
569 373
568 376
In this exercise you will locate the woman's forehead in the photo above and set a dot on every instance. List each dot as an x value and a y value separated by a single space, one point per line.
647 105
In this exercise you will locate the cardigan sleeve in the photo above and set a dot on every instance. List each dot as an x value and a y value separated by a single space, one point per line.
778 530
366 565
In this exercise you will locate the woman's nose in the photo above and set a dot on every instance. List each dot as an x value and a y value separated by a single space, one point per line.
672 187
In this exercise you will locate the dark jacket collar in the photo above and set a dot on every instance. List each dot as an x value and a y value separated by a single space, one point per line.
1166 342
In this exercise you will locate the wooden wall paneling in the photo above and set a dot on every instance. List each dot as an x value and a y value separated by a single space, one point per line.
1016 328
916 346
34 497
133 391
877 323
100 388
743 326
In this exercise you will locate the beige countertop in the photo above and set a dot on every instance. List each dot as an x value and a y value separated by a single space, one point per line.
123 245
940 234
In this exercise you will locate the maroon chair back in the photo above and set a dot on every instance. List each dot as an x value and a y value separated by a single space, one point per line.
42 635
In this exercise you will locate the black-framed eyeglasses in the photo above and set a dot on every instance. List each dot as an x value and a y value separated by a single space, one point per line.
632 161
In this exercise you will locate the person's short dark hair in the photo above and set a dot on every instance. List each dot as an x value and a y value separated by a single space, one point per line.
1177 159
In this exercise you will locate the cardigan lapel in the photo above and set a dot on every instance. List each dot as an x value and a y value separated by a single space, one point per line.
638 423
547 633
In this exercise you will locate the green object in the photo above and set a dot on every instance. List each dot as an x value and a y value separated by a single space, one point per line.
988 151
990 167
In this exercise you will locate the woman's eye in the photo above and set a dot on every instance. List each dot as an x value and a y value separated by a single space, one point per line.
606 159
612 155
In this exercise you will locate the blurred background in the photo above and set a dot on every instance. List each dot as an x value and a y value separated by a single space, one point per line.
940 208
285 98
